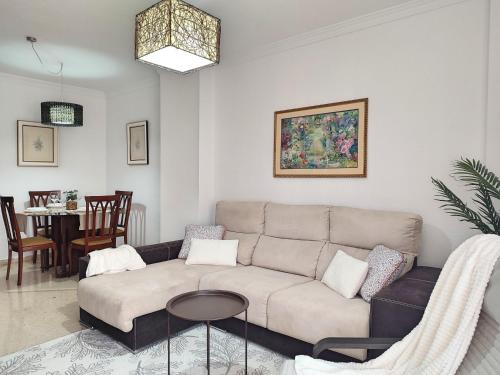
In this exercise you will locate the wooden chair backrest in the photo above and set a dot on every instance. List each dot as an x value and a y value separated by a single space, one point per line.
10 220
40 199
125 205
101 217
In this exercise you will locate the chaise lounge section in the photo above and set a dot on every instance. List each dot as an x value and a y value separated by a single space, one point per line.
283 253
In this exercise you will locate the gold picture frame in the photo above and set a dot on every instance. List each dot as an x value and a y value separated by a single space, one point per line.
137 143
37 145
328 140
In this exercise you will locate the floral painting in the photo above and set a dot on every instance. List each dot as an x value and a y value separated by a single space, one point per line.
324 141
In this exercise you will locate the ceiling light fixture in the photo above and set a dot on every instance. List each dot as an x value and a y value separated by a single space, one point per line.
58 113
175 35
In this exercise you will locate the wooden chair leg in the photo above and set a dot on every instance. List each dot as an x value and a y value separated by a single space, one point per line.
20 260
70 259
125 238
42 260
34 256
54 258
9 262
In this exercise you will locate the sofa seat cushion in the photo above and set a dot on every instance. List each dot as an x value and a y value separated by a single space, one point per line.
293 256
312 311
119 298
255 283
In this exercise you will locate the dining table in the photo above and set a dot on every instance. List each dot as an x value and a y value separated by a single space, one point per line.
67 225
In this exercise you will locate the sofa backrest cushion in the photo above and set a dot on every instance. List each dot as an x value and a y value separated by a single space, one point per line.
242 217
246 245
366 229
293 256
299 222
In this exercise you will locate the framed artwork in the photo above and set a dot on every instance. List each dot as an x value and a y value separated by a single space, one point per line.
137 143
37 145
321 141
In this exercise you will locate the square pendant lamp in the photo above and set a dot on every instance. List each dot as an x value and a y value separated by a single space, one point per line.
175 35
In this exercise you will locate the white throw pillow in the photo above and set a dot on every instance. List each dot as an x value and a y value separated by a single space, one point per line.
213 252
345 274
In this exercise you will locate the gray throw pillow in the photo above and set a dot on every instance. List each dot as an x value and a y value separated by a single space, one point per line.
384 266
202 232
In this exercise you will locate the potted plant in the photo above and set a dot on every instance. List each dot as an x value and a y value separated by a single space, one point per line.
71 199
486 187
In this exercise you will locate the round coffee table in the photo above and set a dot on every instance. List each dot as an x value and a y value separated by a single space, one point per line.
207 306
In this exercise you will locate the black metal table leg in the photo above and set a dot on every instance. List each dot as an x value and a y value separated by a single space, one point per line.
208 347
246 342
168 339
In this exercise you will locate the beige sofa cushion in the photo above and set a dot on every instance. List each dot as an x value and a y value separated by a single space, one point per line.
255 283
299 222
312 311
246 245
294 256
368 228
119 298
243 217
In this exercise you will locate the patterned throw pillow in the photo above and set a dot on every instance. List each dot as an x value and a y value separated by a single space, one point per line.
384 266
202 232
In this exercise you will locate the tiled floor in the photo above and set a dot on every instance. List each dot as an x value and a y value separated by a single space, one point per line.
42 309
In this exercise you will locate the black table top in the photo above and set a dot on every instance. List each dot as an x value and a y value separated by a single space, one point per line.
207 305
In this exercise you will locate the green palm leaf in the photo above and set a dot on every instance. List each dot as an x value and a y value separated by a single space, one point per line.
454 206
475 174
487 209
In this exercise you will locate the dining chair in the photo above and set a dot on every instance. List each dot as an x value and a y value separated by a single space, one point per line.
101 219
21 245
41 224
123 214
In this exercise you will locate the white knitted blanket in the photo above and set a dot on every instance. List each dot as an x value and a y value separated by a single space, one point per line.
439 343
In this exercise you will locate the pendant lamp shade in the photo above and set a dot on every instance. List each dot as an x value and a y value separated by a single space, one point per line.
62 114
175 35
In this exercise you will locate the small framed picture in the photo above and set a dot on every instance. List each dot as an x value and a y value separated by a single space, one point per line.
37 145
326 140
137 143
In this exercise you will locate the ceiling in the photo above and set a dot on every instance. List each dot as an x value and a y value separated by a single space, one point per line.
95 38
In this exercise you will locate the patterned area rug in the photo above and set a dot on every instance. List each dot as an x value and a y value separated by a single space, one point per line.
90 352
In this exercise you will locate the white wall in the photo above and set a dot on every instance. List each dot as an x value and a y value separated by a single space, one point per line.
179 153
493 133
82 158
425 77
141 102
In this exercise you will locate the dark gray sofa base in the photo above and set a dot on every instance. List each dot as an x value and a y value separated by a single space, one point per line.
151 328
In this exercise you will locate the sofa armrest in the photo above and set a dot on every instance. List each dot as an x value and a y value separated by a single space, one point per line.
353 343
160 252
399 307
150 254
83 263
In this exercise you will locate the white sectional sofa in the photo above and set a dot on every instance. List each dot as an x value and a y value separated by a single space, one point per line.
283 253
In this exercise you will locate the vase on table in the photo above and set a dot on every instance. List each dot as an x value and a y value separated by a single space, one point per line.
71 205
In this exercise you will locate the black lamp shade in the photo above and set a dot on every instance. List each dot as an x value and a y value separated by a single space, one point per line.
62 114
